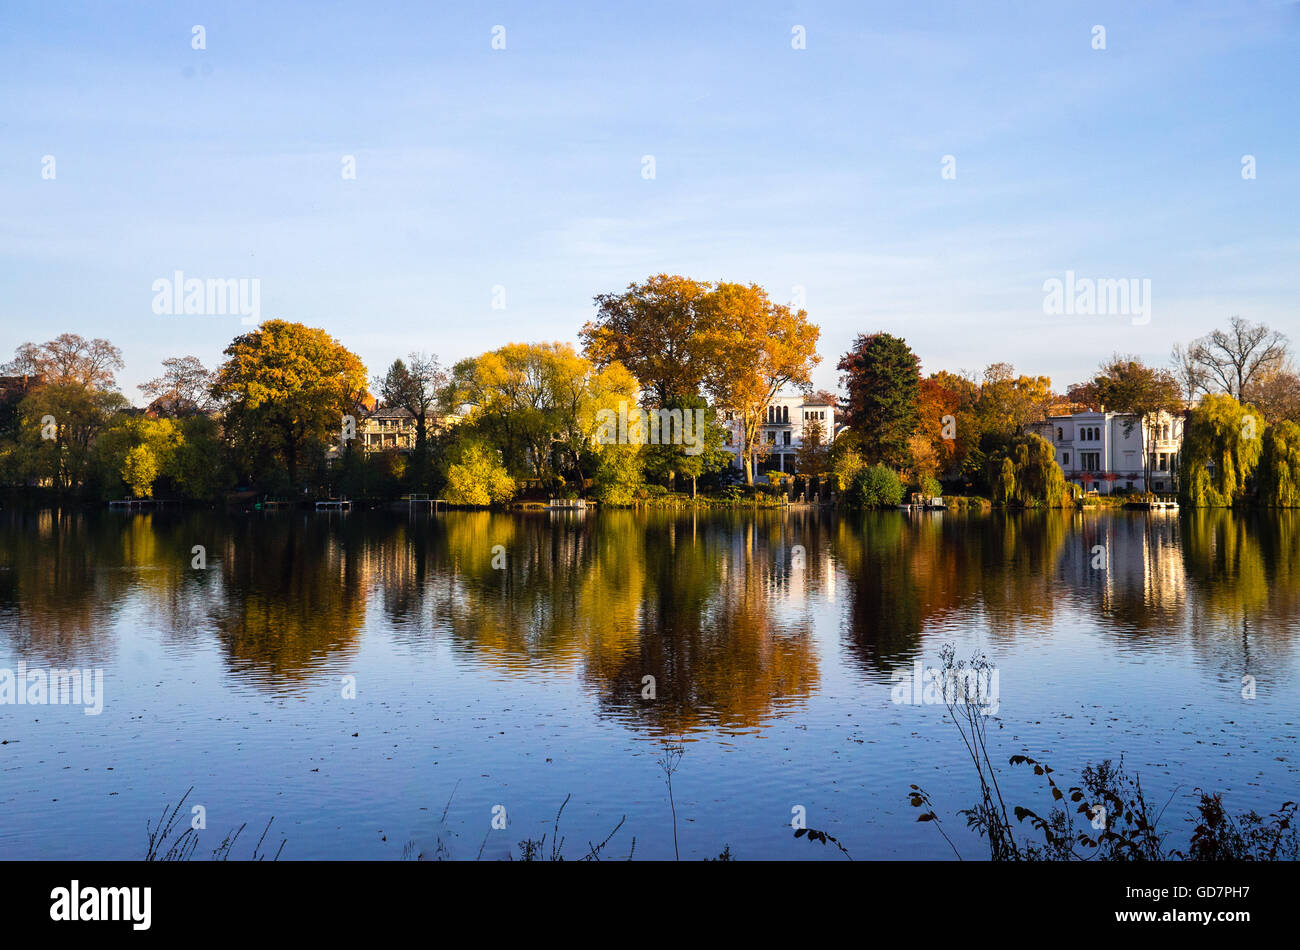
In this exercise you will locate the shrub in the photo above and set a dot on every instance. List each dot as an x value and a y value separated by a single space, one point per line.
876 486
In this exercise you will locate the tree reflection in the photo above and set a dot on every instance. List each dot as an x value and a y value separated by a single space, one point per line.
719 607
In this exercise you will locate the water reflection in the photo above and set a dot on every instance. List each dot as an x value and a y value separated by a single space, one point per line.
720 608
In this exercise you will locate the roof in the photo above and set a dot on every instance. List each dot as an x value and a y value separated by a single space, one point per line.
391 412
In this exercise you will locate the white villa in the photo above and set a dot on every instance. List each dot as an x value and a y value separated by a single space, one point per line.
1095 452
789 417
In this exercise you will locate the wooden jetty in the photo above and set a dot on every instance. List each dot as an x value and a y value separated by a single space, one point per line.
1153 504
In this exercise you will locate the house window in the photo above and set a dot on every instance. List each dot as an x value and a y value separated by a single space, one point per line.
771 438
1060 434
787 437
1066 457
1091 461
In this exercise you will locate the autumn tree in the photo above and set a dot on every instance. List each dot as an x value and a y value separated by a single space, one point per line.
1276 393
68 399
662 331
539 405
477 478
756 348
933 445
658 330
950 419
1009 402
69 360
140 471
287 386
183 389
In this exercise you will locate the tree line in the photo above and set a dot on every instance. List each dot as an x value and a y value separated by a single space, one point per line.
524 420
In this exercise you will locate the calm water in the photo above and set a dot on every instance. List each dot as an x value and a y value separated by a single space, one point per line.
520 686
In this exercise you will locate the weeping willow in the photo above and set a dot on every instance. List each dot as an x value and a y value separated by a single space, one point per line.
1278 477
1221 448
1027 476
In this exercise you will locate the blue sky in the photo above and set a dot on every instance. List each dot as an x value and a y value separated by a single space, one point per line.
818 168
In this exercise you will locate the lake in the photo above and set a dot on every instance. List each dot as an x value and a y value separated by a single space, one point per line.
388 686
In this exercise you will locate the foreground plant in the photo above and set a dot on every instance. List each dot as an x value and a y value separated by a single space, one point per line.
1120 823
183 846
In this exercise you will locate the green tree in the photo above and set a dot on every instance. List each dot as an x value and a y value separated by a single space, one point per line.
199 464
1278 475
619 474
1026 475
882 377
60 424
705 455
1221 446
133 453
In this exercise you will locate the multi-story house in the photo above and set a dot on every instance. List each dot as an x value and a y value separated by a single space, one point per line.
788 419
387 430
1108 452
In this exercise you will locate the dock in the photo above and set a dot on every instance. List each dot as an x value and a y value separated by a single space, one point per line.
1155 504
